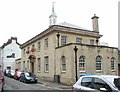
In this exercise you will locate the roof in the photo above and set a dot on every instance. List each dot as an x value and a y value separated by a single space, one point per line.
65 24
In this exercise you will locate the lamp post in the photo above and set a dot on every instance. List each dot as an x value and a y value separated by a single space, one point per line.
58 35
75 49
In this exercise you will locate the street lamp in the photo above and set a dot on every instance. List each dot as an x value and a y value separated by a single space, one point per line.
75 49
58 35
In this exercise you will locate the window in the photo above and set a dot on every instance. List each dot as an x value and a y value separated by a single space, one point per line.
112 63
46 43
63 40
99 83
86 82
46 64
24 52
78 40
82 63
91 42
63 63
98 62
39 64
28 65
33 46
39 46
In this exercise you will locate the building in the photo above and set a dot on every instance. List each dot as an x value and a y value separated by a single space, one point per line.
64 51
10 51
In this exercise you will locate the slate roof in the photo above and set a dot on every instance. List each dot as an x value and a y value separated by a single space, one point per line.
65 24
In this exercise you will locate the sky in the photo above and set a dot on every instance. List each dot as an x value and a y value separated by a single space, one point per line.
25 19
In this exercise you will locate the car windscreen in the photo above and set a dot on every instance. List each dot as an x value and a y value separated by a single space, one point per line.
117 82
29 74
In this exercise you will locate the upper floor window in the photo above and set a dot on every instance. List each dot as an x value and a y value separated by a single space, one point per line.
78 40
23 52
38 46
46 64
28 48
46 43
91 42
63 63
112 63
98 62
63 40
33 48
82 63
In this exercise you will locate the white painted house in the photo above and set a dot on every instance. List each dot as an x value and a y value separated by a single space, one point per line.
10 51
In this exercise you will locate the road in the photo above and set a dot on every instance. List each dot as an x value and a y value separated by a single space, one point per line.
12 84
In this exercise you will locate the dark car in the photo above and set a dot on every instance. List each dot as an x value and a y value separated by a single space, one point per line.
17 75
11 73
28 77
6 72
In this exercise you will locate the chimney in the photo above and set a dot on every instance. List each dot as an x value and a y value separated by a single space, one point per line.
95 23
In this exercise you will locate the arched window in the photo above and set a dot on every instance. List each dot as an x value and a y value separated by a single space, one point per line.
63 63
112 63
98 62
82 63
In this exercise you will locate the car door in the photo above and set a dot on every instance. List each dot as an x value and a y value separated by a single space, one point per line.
86 84
101 84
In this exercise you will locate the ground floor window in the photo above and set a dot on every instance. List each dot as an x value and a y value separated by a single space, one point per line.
46 63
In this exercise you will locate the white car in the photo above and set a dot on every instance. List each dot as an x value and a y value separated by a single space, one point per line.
98 83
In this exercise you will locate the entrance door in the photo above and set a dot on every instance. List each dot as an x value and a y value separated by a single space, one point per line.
32 64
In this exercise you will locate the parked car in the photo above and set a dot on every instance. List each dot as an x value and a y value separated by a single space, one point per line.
17 75
2 81
28 77
6 72
11 73
98 83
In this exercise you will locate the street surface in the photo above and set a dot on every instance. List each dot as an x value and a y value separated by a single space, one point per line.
12 84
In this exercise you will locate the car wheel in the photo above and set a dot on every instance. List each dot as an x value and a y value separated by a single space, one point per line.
24 81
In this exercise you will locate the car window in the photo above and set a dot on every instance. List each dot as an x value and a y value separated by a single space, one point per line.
117 82
86 82
99 83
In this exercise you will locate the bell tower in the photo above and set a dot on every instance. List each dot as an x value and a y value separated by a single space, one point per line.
53 16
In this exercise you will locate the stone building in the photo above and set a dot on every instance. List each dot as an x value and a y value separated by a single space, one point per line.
51 54
64 51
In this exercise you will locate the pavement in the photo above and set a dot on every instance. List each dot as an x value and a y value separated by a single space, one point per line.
54 85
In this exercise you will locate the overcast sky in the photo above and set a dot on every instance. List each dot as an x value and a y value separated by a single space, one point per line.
25 19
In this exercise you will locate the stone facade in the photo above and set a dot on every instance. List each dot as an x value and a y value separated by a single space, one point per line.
51 54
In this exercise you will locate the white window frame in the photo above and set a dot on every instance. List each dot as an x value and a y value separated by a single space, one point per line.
98 63
82 63
63 40
63 63
46 43
79 40
46 63
112 64
39 64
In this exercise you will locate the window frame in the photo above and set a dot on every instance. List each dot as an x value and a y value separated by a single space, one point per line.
98 63
63 63
82 63
39 64
79 40
63 40
46 63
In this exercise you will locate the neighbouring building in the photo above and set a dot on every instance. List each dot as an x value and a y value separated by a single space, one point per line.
10 51
64 51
